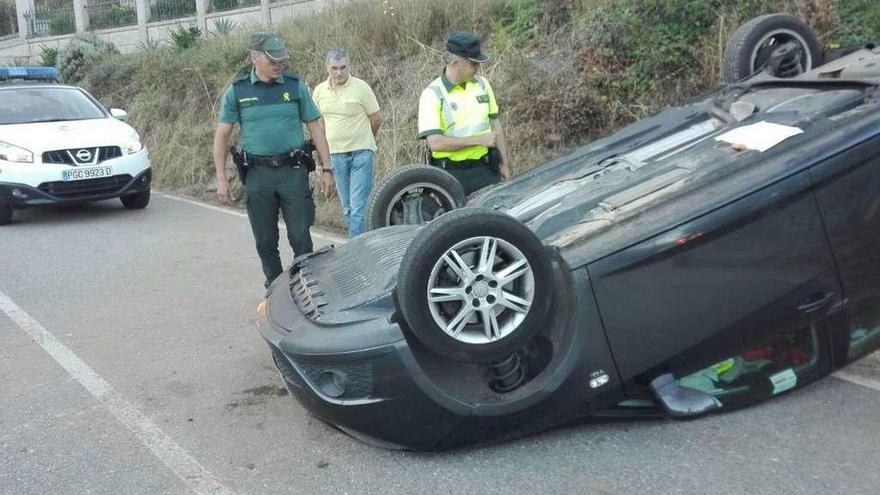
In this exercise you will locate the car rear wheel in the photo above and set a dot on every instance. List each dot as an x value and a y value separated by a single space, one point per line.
475 285
413 195
5 214
136 201
750 48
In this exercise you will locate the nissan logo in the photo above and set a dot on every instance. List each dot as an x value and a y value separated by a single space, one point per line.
84 155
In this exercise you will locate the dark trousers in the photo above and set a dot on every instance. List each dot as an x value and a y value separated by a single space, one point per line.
268 191
474 178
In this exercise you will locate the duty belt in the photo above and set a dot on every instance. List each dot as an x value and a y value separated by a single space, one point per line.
447 164
274 161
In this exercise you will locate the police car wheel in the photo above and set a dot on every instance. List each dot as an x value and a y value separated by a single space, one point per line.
5 214
475 285
749 49
136 201
413 195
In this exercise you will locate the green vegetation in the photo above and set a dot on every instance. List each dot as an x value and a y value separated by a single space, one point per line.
565 71
8 18
110 14
48 56
80 55
185 37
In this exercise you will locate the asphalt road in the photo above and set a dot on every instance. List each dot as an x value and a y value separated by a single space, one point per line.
130 365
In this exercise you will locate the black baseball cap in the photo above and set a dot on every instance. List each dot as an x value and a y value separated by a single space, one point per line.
466 45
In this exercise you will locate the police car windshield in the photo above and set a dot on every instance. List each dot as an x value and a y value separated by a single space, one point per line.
46 104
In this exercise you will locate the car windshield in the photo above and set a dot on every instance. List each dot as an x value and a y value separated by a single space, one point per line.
49 104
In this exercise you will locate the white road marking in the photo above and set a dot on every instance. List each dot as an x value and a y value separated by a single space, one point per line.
193 474
328 237
858 380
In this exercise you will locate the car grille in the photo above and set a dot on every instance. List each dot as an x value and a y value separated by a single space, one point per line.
85 188
305 291
73 156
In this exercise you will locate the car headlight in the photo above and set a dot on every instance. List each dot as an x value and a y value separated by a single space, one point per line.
133 145
12 153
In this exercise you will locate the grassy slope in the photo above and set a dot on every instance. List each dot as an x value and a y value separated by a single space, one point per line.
565 71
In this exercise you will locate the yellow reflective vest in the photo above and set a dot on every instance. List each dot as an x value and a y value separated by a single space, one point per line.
459 110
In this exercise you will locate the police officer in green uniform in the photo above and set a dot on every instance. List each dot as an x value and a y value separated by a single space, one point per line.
270 106
459 118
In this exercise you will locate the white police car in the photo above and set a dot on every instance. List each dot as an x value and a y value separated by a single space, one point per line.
59 145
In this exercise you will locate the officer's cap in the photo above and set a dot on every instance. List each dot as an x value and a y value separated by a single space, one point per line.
271 44
466 45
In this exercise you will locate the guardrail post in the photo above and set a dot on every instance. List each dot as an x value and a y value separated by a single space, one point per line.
143 14
80 15
201 13
23 7
264 11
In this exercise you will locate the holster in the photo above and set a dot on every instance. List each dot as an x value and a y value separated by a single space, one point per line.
494 160
304 156
239 158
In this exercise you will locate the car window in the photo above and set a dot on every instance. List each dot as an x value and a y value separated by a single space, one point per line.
29 105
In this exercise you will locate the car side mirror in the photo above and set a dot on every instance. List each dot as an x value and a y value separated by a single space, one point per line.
119 114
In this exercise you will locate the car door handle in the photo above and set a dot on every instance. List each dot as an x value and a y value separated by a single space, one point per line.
816 302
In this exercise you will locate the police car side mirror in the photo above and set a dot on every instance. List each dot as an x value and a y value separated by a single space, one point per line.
119 114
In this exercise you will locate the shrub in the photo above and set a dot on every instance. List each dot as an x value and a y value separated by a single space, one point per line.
48 56
224 27
80 54
62 23
171 9
185 37
219 5
113 16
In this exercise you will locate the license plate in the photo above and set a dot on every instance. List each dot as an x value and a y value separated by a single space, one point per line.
86 173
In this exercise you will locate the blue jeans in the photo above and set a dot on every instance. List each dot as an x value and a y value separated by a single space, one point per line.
354 180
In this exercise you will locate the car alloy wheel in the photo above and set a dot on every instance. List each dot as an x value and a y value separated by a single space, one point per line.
481 290
413 195
475 285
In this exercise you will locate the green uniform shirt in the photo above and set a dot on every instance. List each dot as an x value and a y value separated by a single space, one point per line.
268 113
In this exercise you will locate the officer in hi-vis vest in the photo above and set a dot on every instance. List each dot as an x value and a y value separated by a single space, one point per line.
458 117
270 106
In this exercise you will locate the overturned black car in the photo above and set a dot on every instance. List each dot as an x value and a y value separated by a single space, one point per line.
715 255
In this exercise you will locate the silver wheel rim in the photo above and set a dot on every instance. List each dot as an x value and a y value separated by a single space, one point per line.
776 38
411 197
481 290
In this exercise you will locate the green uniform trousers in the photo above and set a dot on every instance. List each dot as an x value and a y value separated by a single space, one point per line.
475 177
286 189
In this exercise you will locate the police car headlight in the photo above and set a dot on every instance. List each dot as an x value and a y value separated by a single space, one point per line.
133 146
12 153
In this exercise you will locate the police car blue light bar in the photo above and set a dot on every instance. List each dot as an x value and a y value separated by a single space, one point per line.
30 73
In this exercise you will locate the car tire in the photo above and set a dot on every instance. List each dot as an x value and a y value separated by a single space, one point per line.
750 46
480 311
5 214
136 201
414 194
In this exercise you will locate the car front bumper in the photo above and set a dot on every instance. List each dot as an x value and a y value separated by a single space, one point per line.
42 184
366 388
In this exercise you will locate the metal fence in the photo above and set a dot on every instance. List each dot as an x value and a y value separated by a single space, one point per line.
222 5
111 13
50 21
161 10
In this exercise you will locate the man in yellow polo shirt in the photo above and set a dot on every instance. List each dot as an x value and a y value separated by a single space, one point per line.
351 113
458 117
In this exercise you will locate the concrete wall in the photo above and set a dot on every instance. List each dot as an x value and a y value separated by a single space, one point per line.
129 38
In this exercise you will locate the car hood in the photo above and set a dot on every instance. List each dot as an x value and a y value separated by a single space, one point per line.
46 136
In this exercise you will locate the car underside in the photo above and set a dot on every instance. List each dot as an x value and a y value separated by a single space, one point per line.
715 255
